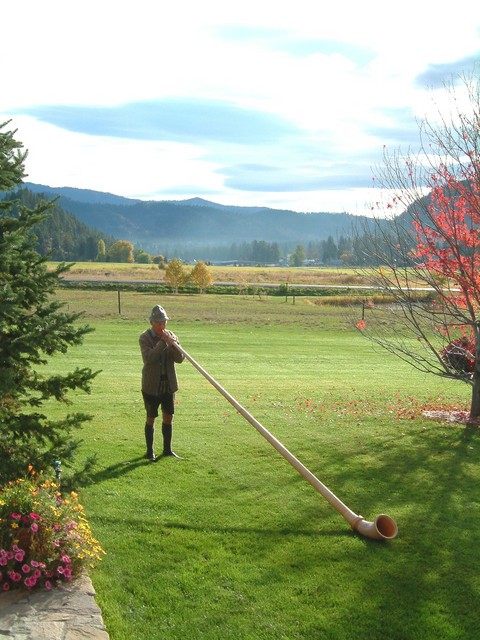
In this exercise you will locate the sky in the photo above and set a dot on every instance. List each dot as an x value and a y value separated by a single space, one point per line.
282 104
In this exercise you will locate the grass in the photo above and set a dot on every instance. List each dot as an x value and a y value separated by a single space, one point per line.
231 543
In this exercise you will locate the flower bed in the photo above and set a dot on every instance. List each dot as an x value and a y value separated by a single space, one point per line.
44 537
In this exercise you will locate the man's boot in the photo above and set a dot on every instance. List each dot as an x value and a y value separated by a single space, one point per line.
149 436
167 440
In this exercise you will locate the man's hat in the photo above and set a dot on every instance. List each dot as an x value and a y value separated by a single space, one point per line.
158 314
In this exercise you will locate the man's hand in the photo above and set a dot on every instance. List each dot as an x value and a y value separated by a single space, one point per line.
169 338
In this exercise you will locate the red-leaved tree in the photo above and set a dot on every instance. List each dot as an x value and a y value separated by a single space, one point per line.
428 255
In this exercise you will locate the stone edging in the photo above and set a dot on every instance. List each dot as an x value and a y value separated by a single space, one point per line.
67 612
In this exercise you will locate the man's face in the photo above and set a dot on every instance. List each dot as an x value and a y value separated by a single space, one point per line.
158 327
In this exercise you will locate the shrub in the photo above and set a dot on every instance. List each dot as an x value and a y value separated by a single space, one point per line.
460 354
44 537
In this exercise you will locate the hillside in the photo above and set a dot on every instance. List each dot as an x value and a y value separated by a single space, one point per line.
62 235
166 225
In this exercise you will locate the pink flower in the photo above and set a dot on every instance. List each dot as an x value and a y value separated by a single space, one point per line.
3 561
34 527
48 584
26 568
65 559
14 576
6 586
35 516
30 582
16 516
20 555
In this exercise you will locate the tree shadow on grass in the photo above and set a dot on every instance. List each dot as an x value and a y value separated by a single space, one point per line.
122 468
217 529
116 470
281 532
429 478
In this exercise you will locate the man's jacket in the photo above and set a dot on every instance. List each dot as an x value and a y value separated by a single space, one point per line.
158 359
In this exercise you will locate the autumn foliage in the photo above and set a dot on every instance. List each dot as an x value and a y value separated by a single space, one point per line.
448 240
434 243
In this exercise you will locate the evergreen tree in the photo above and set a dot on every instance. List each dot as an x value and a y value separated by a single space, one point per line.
33 327
329 250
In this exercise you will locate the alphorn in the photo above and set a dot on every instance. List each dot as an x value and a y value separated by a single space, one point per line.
382 528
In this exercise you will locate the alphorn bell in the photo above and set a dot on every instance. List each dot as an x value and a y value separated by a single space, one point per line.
382 528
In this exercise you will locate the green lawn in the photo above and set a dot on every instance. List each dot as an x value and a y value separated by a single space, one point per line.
231 542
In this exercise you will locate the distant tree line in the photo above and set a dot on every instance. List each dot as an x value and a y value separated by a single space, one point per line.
348 250
260 251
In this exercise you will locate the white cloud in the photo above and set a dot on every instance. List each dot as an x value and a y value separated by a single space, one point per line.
343 73
139 168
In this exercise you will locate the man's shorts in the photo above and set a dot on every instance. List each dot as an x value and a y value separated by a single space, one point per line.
166 402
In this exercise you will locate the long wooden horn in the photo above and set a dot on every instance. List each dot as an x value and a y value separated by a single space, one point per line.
382 528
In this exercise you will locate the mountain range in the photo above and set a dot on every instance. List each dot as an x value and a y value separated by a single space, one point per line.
168 224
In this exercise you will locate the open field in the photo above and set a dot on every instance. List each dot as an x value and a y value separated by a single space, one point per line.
230 543
255 275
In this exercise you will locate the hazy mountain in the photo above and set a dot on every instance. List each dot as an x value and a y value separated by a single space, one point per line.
155 225
79 195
